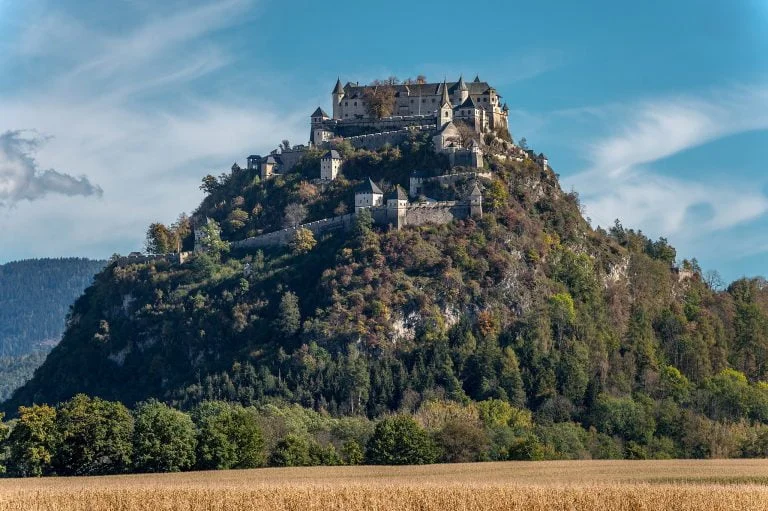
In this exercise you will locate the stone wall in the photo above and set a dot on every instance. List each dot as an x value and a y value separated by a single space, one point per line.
416 184
284 236
436 212
354 127
290 159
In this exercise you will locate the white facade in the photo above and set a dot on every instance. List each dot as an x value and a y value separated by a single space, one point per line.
329 165
368 200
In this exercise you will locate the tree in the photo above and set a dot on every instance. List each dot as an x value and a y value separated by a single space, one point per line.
181 228
228 436
160 240
210 238
379 99
399 440
523 143
294 214
285 145
32 441
93 437
163 439
303 241
291 451
210 184
461 441
3 436
288 318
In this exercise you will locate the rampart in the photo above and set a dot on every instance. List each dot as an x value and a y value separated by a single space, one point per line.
284 236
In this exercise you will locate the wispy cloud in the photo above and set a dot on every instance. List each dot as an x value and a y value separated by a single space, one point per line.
21 179
621 182
128 115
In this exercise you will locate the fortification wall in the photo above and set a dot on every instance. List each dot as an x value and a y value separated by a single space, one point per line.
373 141
291 158
436 212
284 236
416 183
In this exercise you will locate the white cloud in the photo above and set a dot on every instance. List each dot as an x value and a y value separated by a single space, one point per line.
621 182
22 179
147 156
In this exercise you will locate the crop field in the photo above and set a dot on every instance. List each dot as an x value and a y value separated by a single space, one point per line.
573 485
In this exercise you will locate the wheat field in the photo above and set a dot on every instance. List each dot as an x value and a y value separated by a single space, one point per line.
568 485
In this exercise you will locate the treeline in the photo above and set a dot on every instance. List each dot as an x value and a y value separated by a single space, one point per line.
91 436
16 371
35 296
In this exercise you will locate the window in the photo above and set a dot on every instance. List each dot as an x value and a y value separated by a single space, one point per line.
433 100
346 103
355 103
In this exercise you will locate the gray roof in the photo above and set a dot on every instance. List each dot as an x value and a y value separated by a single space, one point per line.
475 191
506 108
397 194
333 154
446 98
254 157
352 90
270 159
462 84
319 113
477 79
474 143
467 104
338 89
368 187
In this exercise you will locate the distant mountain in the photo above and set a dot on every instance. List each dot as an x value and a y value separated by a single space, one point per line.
35 296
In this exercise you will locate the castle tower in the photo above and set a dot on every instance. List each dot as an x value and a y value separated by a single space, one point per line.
476 154
446 109
329 165
368 195
268 167
397 205
461 91
475 200
336 96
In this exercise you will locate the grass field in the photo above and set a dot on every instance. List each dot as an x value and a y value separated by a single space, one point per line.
573 485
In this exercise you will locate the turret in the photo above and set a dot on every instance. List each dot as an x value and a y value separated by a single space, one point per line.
446 109
462 91
336 96
397 205
475 200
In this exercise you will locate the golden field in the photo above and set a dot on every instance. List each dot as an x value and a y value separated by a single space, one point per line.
573 485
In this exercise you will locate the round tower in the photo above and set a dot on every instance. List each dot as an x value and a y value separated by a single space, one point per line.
336 96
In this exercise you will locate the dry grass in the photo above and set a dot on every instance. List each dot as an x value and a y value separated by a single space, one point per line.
580 485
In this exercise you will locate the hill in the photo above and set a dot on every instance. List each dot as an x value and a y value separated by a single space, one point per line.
35 296
586 328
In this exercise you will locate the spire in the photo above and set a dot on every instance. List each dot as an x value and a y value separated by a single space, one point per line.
446 98
506 108
462 84
477 79
338 89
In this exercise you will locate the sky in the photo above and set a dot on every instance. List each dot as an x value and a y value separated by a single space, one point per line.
655 112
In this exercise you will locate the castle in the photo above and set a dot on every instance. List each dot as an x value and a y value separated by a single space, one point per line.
452 114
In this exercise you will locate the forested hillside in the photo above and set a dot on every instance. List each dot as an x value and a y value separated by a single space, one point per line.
596 334
35 296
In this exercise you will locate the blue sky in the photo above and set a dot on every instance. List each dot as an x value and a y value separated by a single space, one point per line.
655 112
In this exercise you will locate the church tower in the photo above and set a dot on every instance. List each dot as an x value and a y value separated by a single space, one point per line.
446 109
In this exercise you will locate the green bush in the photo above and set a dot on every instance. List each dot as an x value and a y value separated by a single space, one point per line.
399 440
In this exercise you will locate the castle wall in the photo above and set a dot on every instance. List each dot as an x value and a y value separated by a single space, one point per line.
436 213
416 183
290 159
284 236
